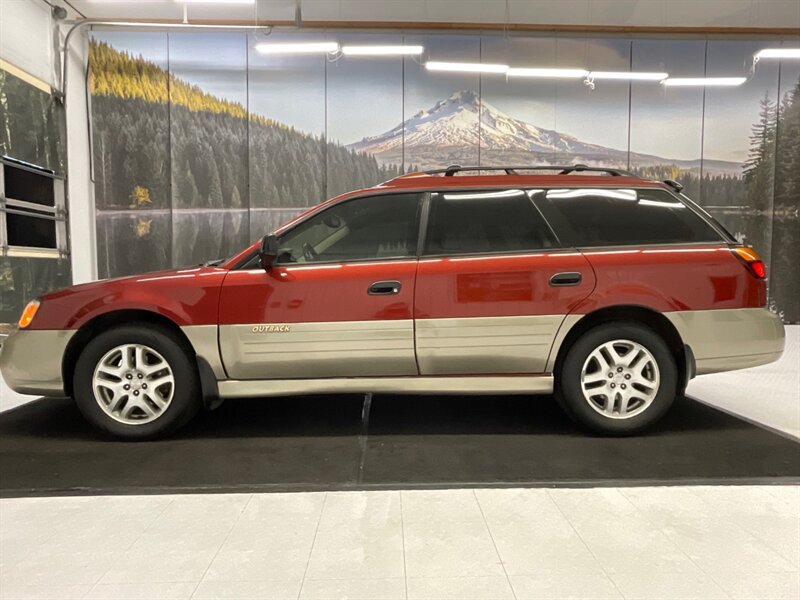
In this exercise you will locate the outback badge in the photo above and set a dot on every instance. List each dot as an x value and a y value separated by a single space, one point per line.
271 329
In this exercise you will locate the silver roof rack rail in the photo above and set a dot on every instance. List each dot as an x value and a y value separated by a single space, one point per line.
514 170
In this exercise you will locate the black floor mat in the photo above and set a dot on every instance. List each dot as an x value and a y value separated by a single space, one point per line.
321 442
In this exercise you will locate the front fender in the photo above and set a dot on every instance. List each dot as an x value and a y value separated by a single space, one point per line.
186 297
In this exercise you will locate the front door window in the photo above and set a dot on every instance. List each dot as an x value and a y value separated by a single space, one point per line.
373 228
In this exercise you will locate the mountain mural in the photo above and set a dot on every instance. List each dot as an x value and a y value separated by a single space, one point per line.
460 121
183 176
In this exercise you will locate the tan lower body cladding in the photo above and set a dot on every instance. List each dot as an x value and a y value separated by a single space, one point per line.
485 344
314 350
469 346
725 340
455 355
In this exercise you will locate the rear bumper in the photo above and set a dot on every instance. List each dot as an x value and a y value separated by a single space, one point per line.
725 340
31 360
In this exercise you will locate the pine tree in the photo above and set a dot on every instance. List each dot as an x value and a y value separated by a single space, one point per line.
236 199
759 167
214 187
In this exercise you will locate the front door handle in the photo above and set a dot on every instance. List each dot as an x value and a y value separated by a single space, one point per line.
384 288
565 279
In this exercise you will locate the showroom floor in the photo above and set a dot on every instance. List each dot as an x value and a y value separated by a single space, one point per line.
669 541
699 542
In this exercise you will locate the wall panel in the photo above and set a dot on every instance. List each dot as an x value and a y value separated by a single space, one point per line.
440 109
287 132
129 83
364 114
203 144
208 145
522 107
666 124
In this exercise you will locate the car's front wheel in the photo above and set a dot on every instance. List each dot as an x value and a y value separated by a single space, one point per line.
617 379
136 382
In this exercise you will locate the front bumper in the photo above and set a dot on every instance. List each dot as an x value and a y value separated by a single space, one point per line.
725 340
31 360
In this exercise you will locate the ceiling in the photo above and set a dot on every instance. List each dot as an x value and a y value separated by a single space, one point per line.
700 14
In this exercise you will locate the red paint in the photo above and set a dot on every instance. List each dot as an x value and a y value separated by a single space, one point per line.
305 294
673 278
500 286
186 296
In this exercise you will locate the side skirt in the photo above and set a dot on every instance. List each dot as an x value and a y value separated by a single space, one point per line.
540 384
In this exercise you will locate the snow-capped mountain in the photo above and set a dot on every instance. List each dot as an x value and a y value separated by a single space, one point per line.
449 131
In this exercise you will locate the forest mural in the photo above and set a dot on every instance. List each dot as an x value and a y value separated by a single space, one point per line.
32 130
202 146
31 124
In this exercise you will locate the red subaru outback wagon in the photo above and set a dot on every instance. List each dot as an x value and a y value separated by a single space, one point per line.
608 290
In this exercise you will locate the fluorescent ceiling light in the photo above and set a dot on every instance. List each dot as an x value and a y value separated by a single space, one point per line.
179 25
557 73
215 1
703 81
297 48
465 67
778 53
628 75
381 50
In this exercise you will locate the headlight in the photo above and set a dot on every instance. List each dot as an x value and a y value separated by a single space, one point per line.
29 313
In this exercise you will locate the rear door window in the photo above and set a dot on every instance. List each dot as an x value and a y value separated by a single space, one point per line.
488 221
619 217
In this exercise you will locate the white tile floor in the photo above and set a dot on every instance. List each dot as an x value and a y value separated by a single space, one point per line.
698 542
769 394
666 542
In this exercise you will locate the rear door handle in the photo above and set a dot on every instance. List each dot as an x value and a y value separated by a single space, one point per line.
565 279
384 288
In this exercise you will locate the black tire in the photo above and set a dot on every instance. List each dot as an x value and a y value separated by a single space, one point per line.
569 392
186 398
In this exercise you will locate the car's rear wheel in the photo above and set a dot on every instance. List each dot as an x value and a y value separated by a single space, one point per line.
617 379
136 382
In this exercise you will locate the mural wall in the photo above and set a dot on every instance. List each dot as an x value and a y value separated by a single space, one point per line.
202 144
32 124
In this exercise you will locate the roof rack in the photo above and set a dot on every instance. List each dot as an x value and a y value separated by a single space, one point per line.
512 170
674 184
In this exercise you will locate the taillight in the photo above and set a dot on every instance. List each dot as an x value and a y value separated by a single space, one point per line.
752 261
28 314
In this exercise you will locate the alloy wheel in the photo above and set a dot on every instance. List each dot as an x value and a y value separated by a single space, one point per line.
620 379
133 384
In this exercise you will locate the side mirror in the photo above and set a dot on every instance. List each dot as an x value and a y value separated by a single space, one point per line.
268 251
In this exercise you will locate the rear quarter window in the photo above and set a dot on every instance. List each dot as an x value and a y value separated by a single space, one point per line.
620 217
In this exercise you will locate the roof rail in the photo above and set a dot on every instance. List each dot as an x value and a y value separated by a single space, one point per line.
512 170
674 184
